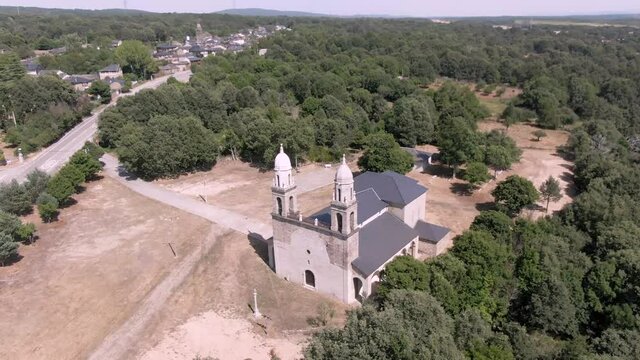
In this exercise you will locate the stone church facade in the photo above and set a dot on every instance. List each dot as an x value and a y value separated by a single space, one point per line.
342 249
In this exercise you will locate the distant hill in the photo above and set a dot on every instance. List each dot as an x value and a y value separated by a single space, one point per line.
268 12
13 10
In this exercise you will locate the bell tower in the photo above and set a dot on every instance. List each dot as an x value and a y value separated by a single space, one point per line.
283 190
344 208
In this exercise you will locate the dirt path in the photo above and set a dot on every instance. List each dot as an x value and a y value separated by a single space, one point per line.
124 338
211 212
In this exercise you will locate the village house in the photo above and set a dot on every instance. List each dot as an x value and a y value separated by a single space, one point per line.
112 71
81 82
342 249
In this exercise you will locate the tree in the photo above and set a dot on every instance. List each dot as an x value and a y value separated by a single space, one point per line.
8 248
48 207
14 198
403 273
476 173
496 223
382 153
458 143
87 163
100 90
10 68
74 173
515 193
168 146
36 183
539 134
412 120
550 191
61 187
135 57
498 158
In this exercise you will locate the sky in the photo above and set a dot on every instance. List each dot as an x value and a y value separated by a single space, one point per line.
424 8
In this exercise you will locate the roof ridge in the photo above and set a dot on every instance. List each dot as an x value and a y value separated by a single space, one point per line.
388 174
372 189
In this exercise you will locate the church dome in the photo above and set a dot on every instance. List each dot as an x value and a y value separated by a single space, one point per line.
282 163
344 174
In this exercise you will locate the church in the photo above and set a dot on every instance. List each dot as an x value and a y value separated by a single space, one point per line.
341 250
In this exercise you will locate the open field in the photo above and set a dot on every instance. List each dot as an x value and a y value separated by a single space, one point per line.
448 205
107 256
86 272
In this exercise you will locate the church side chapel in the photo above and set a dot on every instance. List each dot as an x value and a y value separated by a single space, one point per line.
342 249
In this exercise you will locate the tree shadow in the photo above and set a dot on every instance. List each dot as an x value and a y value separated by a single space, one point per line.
260 246
438 170
461 189
486 206
68 203
122 172
570 190
12 260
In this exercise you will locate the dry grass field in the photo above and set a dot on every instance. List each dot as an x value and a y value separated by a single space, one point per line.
91 271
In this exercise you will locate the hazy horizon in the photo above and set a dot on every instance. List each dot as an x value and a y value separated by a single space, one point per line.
361 7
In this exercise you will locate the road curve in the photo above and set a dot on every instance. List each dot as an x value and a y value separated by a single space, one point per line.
53 157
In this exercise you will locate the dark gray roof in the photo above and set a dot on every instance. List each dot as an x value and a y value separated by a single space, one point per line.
166 46
111 68
390 186
323 216
369 204
81 79
431 232
380 240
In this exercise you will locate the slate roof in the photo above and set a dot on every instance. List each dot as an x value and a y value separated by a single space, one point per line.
111 68
369 204
391 187
431 232
81 79
380 240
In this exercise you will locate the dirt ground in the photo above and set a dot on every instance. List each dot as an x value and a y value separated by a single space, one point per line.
450 207
89 272
223 326
229 182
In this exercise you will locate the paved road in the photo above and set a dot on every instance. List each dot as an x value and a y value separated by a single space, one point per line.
186 203
56 155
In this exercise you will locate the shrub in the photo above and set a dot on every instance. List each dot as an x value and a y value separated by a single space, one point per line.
48 207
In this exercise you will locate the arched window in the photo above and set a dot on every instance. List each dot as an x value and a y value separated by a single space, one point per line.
309 278
339 221
278 180
291 204
279 206
352 220
357 288
289 179
339 195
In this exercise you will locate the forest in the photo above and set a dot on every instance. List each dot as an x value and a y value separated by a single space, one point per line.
563 287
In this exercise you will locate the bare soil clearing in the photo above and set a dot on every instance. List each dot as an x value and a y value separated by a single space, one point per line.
87 272
220 292
450 206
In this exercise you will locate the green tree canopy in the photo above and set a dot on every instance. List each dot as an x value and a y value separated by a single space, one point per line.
515 193
382 153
